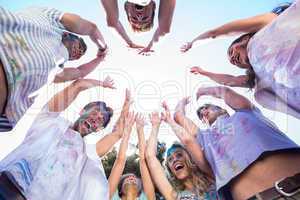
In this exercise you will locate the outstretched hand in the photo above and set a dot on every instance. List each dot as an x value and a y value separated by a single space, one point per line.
186 47
146 51
140 121
108 83
166 115
197 70
129 121
155 119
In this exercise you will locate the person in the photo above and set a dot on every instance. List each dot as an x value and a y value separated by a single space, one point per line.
269 51
248 156
140 15
187 180
53 162
129 185
34 41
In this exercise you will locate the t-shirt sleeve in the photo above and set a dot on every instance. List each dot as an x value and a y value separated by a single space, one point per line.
278 10
55 17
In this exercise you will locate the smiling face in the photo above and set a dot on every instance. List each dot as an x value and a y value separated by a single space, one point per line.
237 52
129 186
90 121
177 164
140 17
75 45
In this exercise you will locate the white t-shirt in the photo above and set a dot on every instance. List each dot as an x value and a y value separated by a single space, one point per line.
140 2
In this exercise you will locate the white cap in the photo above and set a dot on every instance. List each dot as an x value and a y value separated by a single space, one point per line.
140 2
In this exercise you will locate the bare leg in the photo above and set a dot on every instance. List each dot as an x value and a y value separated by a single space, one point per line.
3 89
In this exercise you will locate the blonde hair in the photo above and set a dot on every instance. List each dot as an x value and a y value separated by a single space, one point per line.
200 181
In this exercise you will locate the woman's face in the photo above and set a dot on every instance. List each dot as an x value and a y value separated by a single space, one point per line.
177 164
238 55
139 16
130 184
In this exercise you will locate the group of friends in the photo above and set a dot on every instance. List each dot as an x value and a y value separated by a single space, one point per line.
239 156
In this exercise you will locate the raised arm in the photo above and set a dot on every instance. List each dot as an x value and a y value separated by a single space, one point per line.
231 98
146 178
120 161
156 170
165 16
74 23
112 19
63 99
247 25
69 74
181 118
189 141
223 79
106 143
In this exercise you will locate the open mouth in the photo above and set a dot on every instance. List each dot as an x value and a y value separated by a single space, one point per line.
178 166
87 125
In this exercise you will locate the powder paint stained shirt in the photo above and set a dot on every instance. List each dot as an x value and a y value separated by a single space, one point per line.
30 47
274 54
52 163
232 143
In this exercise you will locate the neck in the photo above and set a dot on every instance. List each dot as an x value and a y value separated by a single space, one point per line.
130 194
189 184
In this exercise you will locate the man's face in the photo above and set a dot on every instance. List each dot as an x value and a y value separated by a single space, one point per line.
139 16
210 114
177 164
90 121
75 50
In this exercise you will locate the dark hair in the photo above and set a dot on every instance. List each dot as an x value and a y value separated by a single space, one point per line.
73 37
140 186
250 72
207 105
106 111
143 28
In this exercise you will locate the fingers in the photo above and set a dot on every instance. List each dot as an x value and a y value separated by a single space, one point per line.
186 47
109 82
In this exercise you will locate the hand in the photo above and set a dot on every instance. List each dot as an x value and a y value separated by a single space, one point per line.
186 47
166 116
155 119
146 51
129 121
139 121
127 102
102 52
135 46
197 70
185 101
108 83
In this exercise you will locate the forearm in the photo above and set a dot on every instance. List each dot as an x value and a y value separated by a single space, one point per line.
226 79
87 68
63 99
146 179
152 142
182 120
115 175
181 133
121 31
106 143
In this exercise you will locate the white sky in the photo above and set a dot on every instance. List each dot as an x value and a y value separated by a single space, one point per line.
162 76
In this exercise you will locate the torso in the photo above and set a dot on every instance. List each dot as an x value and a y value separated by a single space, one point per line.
263 173
3 89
